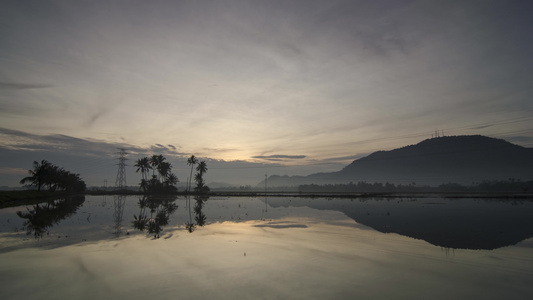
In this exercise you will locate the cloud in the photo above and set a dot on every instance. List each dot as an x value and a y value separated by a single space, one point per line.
220 149
13 171
521 139
166 150
344 158
95 116
481 127
279 157
22 86
15 140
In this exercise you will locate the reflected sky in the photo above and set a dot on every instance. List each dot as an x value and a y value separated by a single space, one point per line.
450 223
291 251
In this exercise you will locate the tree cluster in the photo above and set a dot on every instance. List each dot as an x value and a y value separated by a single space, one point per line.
54 178
163 181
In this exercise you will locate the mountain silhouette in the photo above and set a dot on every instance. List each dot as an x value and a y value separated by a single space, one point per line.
458 159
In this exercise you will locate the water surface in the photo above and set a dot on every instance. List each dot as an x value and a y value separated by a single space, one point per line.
278 248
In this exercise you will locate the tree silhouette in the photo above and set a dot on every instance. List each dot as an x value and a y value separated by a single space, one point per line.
202 168
164 170
56 178
191 161
38 174
143 165
156 161
199 178
171 179
164 181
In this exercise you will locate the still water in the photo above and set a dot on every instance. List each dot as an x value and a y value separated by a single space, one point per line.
130 247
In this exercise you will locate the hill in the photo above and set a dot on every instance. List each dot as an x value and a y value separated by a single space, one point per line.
459 159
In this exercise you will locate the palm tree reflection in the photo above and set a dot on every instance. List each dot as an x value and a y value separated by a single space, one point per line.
45 215
190 226
160 209
199 217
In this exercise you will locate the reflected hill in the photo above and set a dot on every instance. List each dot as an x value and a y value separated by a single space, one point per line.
449 223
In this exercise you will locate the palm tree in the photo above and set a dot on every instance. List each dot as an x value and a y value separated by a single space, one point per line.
56 178
164 170
143 165
199 182
202 168
39 174
156 161
191 161
199 177
144 185
171 179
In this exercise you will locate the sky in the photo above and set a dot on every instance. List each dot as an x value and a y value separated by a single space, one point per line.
255 87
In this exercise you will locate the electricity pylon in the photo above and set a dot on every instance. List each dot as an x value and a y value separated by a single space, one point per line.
120 182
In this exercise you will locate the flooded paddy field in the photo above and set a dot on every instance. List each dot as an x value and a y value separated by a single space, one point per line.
134 247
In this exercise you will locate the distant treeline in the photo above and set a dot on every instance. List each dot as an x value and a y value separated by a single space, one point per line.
511 185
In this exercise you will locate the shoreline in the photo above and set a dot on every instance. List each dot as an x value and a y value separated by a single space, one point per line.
29 197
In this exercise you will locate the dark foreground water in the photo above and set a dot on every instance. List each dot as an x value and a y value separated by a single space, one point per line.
132 247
